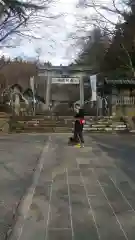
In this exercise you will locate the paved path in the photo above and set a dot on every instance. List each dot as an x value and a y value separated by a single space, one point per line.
78 194
19 155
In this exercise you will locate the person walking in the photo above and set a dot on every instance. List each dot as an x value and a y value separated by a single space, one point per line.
78 127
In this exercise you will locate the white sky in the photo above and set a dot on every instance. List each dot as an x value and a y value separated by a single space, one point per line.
54 44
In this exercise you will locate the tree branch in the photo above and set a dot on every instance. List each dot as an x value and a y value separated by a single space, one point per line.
102 7
129 59
15 14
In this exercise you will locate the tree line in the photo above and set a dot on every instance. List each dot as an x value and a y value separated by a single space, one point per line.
16 71
109 48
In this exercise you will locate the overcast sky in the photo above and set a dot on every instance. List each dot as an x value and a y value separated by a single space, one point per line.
54 38
54 42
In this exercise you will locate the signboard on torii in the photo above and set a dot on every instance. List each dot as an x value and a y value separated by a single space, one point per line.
61 80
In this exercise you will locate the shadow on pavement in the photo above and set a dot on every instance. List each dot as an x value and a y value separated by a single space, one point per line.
123 152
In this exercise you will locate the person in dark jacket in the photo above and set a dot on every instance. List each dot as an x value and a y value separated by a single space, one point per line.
78 127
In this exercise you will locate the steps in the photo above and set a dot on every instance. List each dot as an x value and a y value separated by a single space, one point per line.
61 124
41 125
4 122
105 125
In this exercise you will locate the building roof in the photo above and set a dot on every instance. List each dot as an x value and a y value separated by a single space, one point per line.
65 68
120 82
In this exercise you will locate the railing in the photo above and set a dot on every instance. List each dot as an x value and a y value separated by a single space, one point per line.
125 100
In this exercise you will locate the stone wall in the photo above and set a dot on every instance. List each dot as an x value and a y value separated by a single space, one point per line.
125 110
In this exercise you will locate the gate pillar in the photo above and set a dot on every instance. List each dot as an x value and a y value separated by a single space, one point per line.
81 91
48 88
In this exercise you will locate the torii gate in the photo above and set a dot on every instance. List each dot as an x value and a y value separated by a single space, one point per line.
64 75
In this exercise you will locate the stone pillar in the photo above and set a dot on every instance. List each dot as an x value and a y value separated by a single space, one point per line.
48 88
17 104
81 91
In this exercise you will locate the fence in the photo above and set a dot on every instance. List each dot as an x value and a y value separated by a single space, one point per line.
125 100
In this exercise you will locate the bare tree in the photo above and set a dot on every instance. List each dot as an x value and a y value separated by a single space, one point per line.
15 15
104 16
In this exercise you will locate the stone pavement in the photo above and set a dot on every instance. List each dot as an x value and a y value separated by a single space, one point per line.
18 158
77 194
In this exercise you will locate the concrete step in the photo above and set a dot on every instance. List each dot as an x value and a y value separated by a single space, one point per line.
44 124
43 129
62 130
98 129
117 123
100 125
34 130
109 125
119 126
31 131
48 125
38 122
104 129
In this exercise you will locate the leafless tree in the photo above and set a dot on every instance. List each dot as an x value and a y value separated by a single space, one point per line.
105 16
20 18
108 17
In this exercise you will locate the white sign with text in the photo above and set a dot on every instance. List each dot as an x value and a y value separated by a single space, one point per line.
66 80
